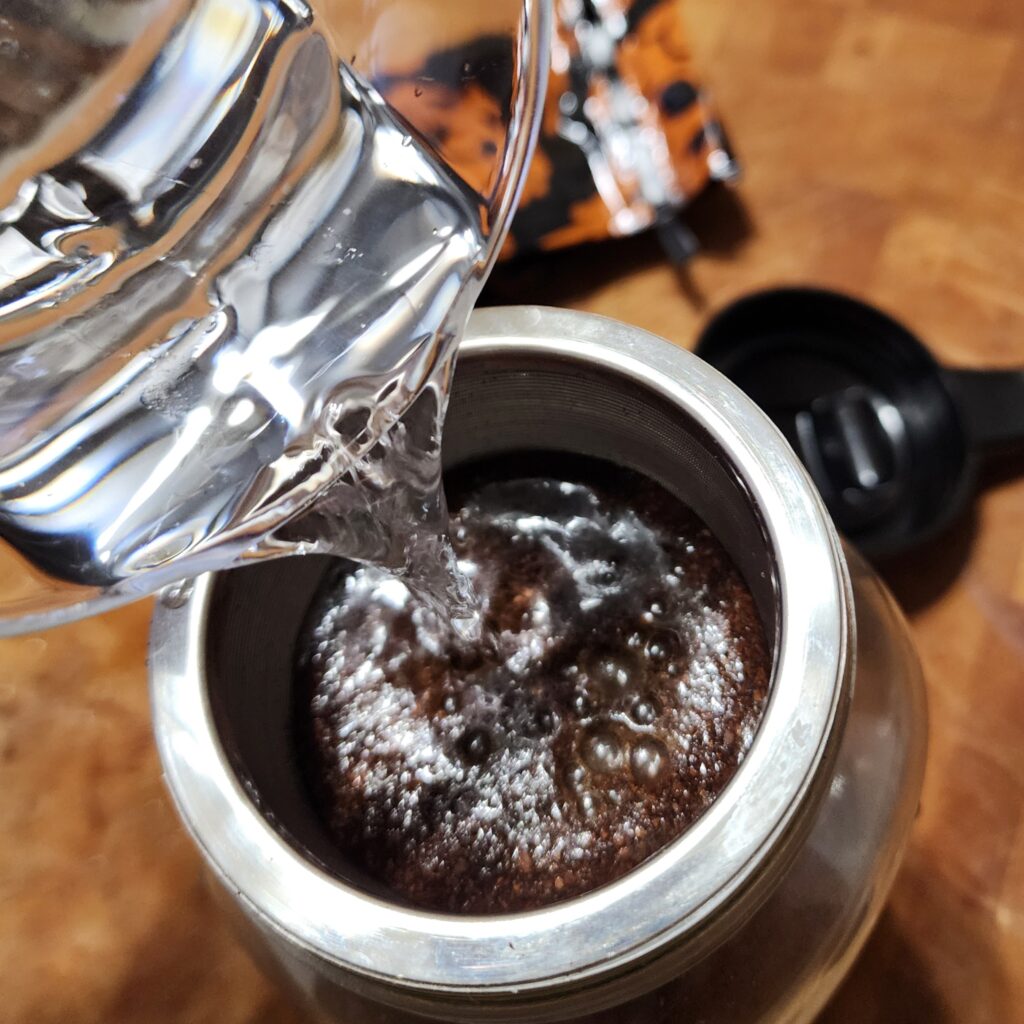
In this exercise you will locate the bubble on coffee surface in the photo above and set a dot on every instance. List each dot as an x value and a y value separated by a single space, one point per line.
622 684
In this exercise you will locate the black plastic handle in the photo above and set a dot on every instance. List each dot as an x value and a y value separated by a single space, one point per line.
991 403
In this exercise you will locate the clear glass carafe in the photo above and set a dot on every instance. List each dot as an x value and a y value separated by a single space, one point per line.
240 238
756 911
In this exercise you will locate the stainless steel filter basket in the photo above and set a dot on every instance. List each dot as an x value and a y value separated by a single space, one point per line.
756 911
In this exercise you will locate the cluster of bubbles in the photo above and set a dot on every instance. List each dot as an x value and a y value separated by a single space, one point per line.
615 687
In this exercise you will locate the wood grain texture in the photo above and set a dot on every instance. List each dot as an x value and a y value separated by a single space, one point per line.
884 147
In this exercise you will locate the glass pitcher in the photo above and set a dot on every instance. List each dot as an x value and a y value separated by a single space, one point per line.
240 237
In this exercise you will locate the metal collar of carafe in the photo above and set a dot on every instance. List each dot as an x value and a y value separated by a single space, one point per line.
684 899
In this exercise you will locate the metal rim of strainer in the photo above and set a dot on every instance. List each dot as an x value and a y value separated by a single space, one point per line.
721 867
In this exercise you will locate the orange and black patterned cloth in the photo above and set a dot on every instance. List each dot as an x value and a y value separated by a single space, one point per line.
628 135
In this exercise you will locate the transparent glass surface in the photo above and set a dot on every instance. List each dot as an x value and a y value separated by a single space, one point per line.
781 964
238 239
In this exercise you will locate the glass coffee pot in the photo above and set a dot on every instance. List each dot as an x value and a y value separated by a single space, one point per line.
240 239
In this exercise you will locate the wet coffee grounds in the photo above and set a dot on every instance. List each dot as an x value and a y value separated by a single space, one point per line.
622 683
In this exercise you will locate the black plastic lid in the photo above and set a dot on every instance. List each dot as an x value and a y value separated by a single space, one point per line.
872 415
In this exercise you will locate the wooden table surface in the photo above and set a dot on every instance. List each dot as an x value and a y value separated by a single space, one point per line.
884 147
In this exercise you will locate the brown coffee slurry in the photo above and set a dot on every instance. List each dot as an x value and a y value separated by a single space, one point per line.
625 681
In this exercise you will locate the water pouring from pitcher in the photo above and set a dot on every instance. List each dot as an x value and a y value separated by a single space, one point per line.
234 290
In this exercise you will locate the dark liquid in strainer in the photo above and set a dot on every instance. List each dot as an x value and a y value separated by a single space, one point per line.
623 682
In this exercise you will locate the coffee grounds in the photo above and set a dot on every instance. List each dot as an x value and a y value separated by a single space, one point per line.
626 677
